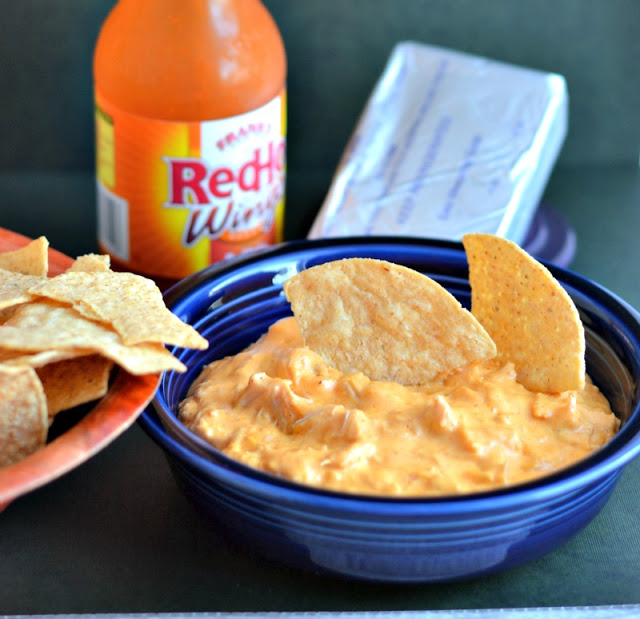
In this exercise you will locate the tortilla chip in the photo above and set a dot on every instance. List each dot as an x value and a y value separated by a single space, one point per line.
529 315
14 287
6 313
23 414
42 326
74 381
57 348
91 263
384 320
142 318
32 259
37 359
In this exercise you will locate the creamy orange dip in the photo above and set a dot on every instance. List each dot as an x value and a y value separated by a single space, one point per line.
278 407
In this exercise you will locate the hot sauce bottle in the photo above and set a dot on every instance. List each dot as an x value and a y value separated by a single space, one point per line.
190 114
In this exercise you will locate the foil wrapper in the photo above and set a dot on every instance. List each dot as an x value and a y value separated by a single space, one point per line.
448 143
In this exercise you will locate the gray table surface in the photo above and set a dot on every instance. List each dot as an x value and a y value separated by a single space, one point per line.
116 535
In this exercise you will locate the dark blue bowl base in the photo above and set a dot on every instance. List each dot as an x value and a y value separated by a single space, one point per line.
257 529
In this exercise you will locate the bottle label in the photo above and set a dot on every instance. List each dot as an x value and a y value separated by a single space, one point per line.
174 197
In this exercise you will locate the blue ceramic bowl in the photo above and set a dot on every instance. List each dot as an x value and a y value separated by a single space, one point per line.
373 538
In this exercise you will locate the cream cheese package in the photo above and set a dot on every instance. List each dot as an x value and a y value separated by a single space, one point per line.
448 143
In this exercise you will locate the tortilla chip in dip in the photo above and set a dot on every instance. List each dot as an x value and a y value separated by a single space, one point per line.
529 315
384 320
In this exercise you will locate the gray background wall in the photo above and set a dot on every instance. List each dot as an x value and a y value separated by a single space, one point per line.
336 50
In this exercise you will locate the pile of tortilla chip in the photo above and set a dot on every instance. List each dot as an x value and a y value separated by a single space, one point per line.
60 337
393 323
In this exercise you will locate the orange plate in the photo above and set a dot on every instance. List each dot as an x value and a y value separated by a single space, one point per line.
127 397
